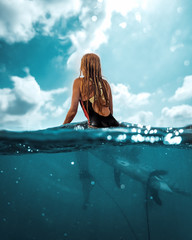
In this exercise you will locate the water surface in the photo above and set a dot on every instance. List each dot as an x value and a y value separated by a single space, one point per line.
59 183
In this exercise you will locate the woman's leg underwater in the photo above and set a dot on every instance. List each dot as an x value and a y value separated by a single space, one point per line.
84 175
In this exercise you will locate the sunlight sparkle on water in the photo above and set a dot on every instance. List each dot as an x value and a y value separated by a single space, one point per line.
137 138
181 130
121 137
134 130
170 139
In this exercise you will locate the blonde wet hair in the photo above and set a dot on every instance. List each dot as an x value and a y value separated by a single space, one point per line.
93 81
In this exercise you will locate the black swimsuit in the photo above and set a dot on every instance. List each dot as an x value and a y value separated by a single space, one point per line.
97 120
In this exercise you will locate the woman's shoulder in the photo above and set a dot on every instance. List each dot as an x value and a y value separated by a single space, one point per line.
77 81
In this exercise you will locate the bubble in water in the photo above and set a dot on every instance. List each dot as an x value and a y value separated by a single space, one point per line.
109 137
92 182
72 163
122 186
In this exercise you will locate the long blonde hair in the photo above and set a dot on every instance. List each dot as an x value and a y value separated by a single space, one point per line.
91 69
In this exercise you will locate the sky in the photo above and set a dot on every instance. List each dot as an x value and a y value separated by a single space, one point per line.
145 47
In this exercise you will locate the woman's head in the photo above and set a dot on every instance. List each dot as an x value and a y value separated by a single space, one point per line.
92 81
90 66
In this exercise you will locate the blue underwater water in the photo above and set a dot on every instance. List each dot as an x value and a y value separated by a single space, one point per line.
72 182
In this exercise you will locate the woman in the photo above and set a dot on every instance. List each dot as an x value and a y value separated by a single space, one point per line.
94 95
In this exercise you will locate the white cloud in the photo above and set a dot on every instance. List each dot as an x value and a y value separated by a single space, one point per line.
173 48
25 106
177 116
122 97
123 25
184 92
19 17
21 20
95 32
129 106
142 117
6 98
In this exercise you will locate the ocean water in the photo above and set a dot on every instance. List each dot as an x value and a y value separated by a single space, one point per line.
125 183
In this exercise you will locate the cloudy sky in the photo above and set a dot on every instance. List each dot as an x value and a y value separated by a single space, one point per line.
145 48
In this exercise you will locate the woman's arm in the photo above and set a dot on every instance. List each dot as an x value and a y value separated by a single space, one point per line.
110 100
74 101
